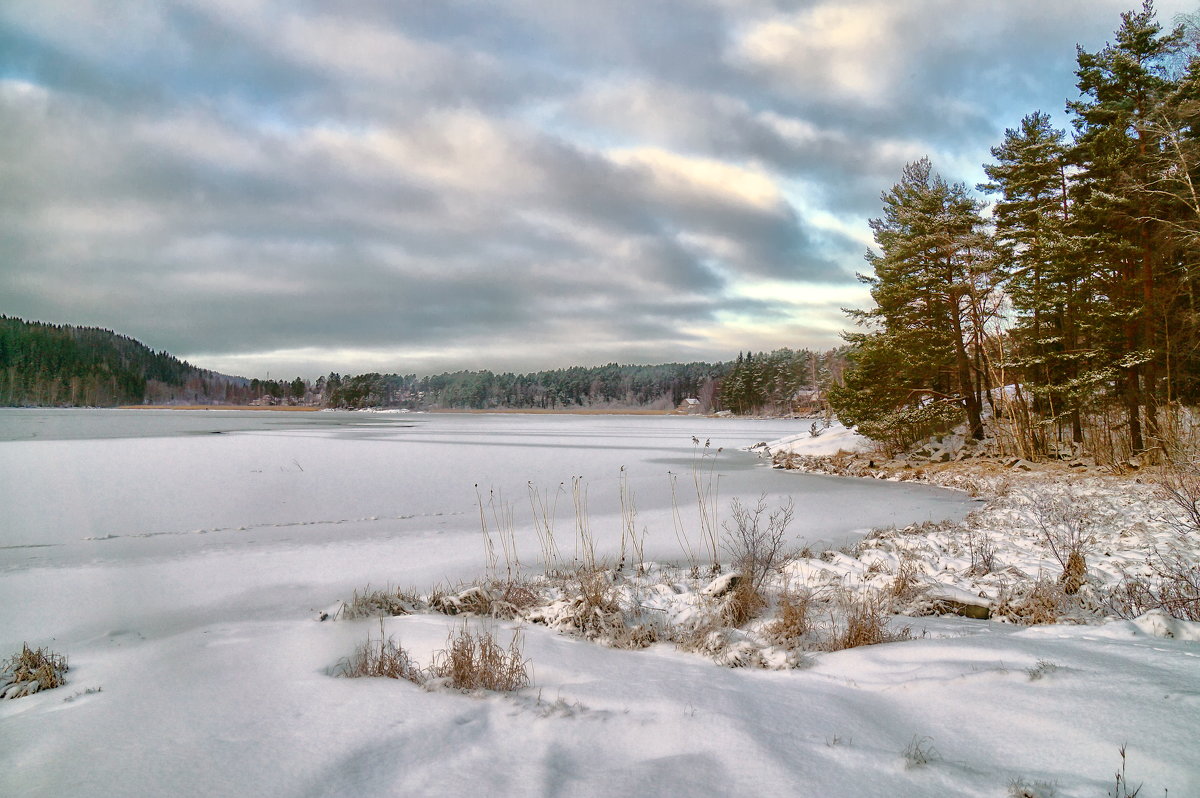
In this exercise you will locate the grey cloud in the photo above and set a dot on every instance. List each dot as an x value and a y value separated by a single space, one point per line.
229 182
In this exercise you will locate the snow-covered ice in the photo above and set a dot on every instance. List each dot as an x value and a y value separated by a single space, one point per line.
182 574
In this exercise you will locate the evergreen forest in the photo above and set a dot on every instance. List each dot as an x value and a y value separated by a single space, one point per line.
61 365
1064 315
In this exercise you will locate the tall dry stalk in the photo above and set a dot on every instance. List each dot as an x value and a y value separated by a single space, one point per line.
543 524
629 524
706 482
685 543
585 545
502 517
489 550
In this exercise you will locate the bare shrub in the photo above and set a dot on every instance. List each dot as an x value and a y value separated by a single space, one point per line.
754 543
1179 477
377 603
384 657
475 661
982 553
1173 586
31 671
1066 525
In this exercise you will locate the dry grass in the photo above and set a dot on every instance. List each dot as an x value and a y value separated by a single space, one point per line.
538 411
905 585
32 671
863 621
740 605
1042 602
475 661
385 658
379 603
919 753
793 621
471 661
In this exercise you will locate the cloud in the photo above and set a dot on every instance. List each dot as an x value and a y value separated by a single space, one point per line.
303 187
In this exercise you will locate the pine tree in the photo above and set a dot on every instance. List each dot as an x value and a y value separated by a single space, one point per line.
1042 269
922 362
1117 145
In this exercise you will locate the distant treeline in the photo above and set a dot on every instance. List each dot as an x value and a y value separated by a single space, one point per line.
60 365
661 386
782 381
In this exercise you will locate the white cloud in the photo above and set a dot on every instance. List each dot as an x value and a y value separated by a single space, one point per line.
830 50
681 176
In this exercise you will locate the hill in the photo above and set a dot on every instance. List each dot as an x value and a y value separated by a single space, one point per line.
62 365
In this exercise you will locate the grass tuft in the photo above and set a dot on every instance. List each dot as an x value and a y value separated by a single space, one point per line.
919 753
792 622
385 658
864 623
379 603
475 661
32 671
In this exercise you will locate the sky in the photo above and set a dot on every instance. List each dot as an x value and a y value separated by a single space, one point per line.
271 188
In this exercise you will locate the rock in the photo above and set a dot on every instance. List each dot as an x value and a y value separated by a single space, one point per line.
722 585
978 612
1021 465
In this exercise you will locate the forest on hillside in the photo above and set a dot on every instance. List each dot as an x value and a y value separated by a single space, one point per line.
62 365
1066 318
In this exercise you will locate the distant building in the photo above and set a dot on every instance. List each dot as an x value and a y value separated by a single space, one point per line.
689 407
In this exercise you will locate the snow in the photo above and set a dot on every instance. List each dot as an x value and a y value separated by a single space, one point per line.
828 439
190 615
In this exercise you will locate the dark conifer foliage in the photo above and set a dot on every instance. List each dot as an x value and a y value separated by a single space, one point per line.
1094 246
60 365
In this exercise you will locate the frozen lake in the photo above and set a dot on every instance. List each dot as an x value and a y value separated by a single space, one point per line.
181 561
100 484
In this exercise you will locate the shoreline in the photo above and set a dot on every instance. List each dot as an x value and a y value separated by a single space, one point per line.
538 411
284 408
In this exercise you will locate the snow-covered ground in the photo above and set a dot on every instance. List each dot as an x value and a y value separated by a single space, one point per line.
183 577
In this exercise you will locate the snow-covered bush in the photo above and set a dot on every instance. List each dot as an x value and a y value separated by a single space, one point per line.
379 603
1170 583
